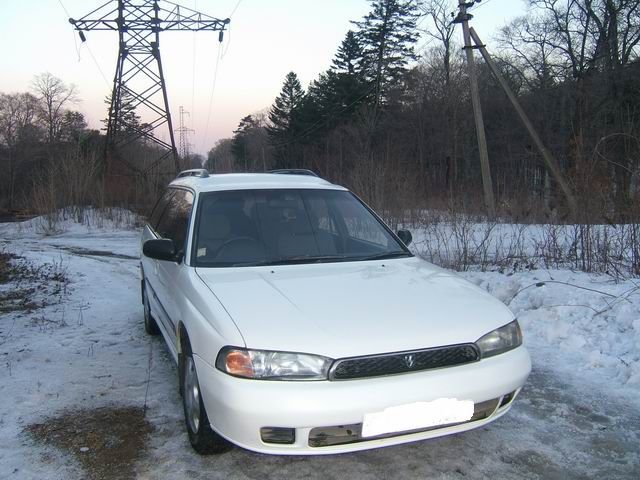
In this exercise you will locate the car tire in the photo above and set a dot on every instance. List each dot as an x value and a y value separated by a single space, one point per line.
201 436
150 325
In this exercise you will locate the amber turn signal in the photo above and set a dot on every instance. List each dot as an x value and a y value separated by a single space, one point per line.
238 362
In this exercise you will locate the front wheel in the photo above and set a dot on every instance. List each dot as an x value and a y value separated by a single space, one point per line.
202 437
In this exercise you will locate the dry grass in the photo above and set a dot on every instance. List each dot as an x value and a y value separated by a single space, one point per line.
107 442
27 287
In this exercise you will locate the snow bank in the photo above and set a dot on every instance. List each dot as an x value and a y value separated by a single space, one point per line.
75 220
460 242
575 322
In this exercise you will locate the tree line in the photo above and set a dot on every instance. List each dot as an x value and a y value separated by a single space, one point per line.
394 121
391 118
50 159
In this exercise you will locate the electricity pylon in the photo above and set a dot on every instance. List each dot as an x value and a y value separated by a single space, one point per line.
183 135
139 78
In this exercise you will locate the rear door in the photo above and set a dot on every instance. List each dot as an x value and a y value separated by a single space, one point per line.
174 225
149 266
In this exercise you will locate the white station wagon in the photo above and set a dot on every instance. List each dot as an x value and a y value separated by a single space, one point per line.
301 324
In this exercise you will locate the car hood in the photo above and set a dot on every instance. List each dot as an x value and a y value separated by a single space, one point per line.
354 308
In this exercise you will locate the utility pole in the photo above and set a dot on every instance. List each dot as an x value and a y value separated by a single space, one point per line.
183 135
487 184
549 159
139 75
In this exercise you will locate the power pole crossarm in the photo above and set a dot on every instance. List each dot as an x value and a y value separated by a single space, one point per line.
548 158
175 17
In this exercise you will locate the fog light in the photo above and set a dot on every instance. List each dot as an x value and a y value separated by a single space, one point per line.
280 435
507 399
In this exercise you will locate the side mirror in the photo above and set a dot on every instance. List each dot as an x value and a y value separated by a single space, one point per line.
405 236
160 249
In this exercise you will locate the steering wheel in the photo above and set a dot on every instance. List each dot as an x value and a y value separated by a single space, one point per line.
234 240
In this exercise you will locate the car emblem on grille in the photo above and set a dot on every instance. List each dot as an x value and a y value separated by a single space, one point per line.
410 360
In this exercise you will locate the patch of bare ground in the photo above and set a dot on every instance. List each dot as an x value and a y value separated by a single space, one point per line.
107 442
25 287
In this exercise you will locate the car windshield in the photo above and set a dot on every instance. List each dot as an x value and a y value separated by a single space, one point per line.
277 227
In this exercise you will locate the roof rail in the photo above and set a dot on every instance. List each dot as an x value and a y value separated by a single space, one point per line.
194 172
294 171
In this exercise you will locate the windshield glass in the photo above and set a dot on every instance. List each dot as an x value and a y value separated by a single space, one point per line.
275 227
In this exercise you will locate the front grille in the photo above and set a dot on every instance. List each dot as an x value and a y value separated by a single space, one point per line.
403 362
344 434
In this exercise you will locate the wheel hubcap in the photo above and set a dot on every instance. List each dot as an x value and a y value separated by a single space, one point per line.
191 395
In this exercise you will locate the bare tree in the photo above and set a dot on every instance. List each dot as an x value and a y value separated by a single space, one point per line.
54 96
592 34
220 159
442 29
18 113
526 44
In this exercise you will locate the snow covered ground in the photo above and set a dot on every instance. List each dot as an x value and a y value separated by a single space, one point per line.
578 416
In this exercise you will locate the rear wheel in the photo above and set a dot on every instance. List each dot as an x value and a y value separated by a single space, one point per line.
202 437
150 325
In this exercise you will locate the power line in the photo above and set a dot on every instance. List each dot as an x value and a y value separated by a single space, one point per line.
229 29
479 5
104 77
235 8
228 41
213 88
79 49
75 40
64 8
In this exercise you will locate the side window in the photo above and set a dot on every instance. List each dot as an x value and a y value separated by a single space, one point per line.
159 208
175 220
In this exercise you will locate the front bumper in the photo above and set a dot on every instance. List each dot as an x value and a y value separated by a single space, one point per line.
238 408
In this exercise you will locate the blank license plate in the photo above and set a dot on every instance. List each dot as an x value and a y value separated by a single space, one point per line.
414 416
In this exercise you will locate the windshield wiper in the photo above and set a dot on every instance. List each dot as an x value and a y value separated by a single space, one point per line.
386 255
308 259
294 260
301 259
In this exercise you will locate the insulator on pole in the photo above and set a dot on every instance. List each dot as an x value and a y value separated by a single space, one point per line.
82 37
220 36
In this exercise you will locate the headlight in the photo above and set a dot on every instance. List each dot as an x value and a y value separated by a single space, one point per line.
500 340
268 365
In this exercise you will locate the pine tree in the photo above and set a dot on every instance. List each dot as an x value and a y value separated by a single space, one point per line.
72 126
337 93
346 81
348 59
387 35
283 111
129 121
239 145
283 117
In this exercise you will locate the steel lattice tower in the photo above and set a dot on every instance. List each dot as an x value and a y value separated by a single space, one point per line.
183 135
138 84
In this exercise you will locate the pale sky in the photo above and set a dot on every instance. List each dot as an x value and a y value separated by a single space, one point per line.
268 38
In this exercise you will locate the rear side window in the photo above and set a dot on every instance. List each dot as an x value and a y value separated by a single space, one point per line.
159 208
174 221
